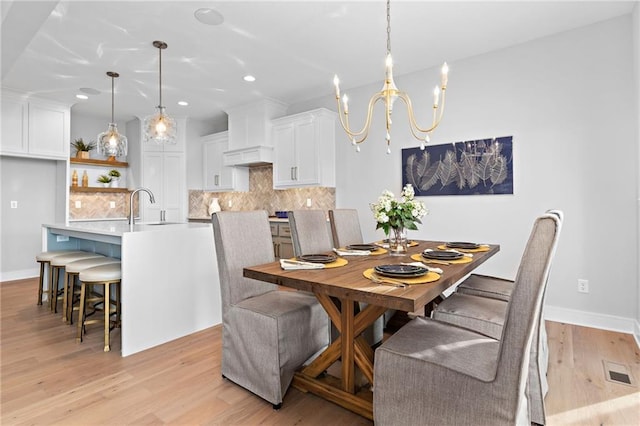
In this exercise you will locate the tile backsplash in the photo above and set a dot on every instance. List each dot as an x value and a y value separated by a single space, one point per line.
262 196
97 205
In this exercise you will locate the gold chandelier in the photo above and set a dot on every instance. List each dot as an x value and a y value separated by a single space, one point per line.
388 95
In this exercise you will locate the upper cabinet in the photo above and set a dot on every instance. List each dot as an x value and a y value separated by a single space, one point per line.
304 150
34 128
216 176
250 132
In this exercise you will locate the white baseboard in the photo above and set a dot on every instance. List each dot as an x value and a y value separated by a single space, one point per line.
19 275
594 320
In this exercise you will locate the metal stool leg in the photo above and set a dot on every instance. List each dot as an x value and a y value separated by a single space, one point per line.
107 314
83 290
41 282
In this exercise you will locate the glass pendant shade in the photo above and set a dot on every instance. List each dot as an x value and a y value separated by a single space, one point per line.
160 128
111 143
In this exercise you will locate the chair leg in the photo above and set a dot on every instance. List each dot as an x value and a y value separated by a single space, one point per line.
277 406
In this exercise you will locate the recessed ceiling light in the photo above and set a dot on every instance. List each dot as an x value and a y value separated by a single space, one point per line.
82 96
249 78
89 91
183 103
209 16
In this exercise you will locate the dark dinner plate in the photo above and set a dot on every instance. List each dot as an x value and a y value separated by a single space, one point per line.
317 258
462 245
370 247
441 255
401 271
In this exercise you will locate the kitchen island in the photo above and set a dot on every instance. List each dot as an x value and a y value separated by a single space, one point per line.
170 284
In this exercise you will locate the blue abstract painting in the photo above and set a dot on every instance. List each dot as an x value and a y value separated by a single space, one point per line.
477 167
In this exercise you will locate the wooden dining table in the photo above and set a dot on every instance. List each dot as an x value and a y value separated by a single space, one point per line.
337 290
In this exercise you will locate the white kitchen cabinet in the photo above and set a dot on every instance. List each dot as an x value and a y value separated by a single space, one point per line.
304 150
216 176
34 128
164 173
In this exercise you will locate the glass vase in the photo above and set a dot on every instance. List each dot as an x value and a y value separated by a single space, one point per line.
397 242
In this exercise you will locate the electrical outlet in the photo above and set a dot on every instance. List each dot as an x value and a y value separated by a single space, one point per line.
583 286
61 238
78 204
308 202
112 204
14 204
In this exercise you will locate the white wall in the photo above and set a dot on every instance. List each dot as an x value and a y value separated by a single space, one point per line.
566 101
35 185
88 128
636 61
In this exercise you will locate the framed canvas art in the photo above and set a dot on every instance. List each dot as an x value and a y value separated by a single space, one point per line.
477 167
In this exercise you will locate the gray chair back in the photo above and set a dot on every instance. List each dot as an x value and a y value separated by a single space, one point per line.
345 227
241 239
310 232
526 302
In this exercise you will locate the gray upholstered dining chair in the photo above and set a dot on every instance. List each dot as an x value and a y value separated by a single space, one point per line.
345 227
433 372
480 303
266 333
311 234
346 230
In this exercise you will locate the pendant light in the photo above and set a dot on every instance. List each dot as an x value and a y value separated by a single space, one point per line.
159 127
111 143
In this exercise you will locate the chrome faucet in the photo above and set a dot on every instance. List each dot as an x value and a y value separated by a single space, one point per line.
133 193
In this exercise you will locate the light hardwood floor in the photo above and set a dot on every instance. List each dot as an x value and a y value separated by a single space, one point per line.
48 378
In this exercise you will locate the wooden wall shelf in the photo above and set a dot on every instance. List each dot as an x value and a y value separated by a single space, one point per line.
94 162
96 189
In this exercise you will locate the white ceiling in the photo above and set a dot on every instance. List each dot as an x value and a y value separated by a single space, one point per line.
53 49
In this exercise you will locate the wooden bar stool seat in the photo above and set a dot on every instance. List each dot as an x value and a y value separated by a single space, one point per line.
102 275
44 259
58 263
71 286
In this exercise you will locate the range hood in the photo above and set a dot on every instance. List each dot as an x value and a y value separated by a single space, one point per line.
250 133
251 156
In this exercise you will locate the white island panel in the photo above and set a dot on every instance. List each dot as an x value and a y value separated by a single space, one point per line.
170 285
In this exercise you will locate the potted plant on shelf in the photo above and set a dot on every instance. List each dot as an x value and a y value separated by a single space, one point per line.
105 180
82 148
115 177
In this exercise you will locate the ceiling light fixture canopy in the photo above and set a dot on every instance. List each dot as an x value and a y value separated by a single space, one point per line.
111 143
388 95
159 127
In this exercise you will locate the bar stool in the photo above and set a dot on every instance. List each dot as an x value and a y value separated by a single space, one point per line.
102 275
57 264
72 270
44 259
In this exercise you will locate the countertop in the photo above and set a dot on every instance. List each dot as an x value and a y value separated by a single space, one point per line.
271 219
118 228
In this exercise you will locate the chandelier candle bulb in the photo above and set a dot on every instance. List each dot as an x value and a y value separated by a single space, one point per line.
436 96
345 103
336 82
445 75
